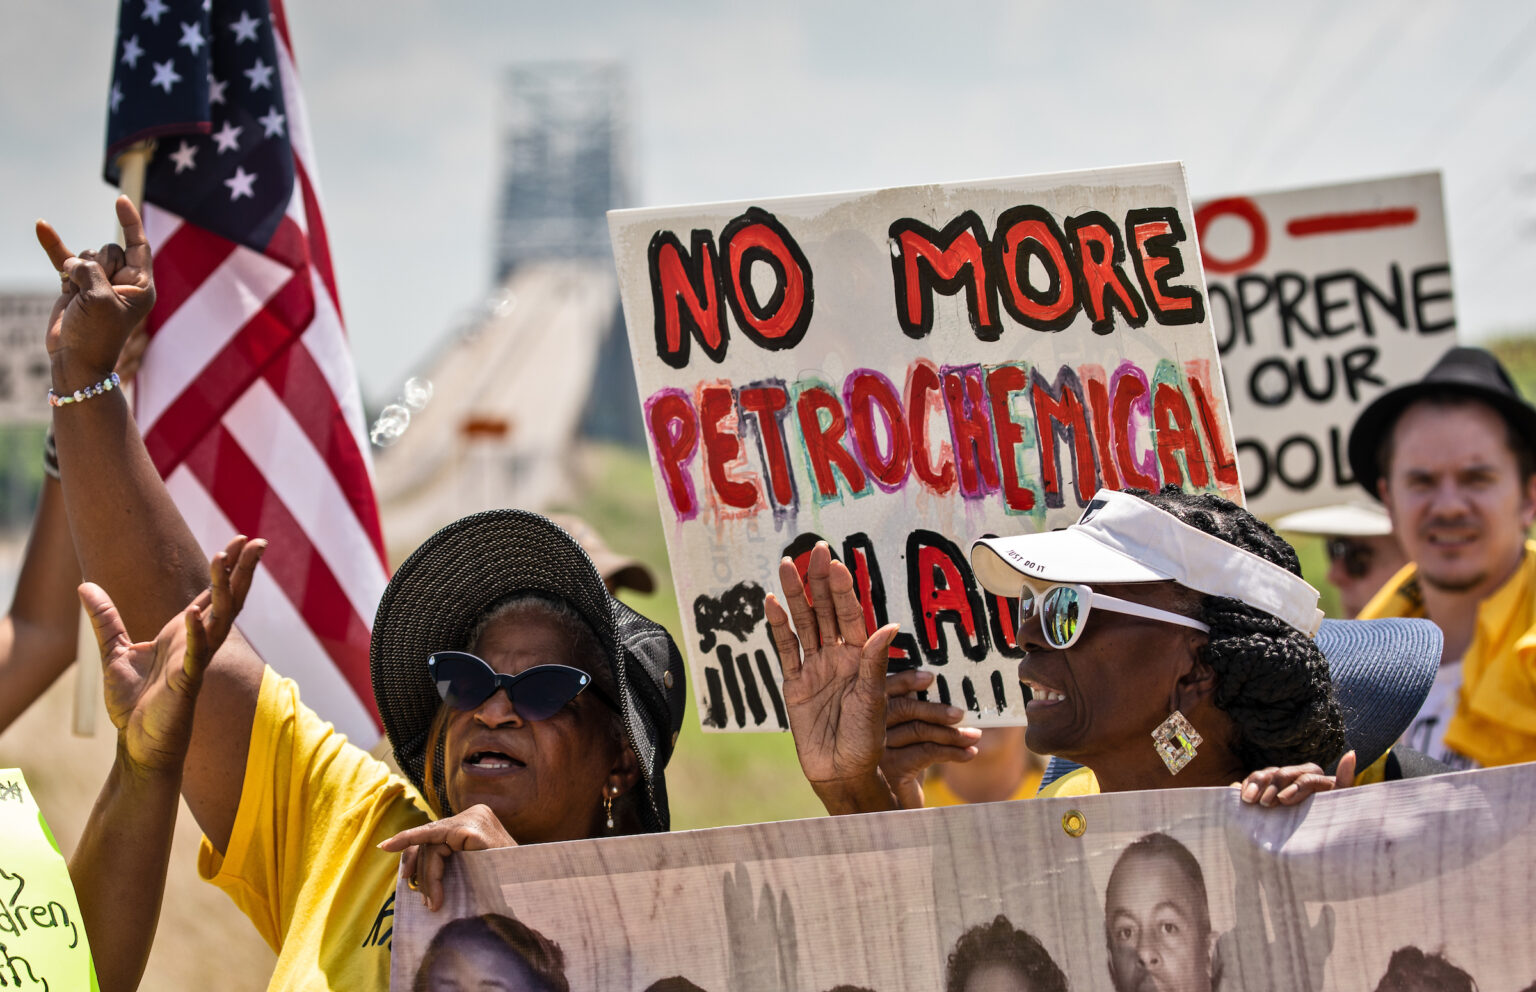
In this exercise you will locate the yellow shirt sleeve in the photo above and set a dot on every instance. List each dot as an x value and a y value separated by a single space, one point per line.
302 862
1078 782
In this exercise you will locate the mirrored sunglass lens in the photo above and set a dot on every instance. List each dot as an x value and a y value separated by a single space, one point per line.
463 681
1061 614
541 692
1027 604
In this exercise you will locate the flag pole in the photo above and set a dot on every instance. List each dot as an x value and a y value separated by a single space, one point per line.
132 165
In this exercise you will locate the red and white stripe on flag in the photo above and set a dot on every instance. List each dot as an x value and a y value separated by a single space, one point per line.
250 408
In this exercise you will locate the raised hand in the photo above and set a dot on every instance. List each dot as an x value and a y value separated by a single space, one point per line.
919 733
834 683
151 688
104 295
425 850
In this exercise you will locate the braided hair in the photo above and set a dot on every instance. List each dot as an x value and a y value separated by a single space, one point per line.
1271 679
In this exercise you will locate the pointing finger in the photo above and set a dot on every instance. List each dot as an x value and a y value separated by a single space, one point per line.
135 243
58 254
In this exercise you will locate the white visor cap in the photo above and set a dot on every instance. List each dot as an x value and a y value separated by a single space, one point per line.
1122 538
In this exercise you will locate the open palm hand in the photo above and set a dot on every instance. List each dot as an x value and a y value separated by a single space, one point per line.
834 671
151 687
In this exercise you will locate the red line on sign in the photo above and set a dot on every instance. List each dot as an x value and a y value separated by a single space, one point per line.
1363 220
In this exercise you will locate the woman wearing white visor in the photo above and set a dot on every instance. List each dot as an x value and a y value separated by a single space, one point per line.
1171 642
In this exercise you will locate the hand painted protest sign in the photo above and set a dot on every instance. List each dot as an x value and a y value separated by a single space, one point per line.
25 375
42 938
1189 884
1322 299
898 373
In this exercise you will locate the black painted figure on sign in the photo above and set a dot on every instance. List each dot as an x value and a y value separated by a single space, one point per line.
737 611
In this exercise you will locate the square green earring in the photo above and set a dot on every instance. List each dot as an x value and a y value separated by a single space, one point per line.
1176 741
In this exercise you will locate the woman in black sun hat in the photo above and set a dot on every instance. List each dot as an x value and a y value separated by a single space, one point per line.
523 702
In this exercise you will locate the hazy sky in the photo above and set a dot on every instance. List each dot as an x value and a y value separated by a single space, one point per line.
735 101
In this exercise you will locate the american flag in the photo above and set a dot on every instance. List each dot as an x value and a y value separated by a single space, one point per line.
247 398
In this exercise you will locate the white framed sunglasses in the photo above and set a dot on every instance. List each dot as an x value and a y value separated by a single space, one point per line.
1063 609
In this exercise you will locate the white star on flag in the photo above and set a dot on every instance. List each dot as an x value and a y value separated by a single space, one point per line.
260 76
183 157
240 184
192 37
245 27
216 89
273 123
228 137
131 52
153 9
166 75
116 98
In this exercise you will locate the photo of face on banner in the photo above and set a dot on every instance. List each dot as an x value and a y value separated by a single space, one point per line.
998 957
491 953
1157 919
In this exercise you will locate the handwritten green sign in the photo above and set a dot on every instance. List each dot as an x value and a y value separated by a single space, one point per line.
42 937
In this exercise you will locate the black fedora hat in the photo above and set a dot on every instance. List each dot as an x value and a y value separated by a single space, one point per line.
1469 372
435 598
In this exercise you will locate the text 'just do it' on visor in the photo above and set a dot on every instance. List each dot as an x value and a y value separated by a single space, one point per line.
1121 538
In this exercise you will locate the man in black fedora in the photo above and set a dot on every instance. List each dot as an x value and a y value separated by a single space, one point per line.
1453 458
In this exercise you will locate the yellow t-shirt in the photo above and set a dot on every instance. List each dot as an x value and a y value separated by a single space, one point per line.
936 792
1077 782
1495 721
302 861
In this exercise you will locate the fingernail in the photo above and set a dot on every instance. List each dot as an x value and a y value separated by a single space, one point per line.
924 678
954 712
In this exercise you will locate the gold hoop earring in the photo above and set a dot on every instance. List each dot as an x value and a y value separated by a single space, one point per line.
1176 740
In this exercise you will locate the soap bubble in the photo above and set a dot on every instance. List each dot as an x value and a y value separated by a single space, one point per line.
392 422
417 392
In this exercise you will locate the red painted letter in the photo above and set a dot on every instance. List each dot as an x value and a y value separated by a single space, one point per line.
674 433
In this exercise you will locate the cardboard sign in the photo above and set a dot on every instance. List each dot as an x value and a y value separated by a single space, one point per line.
1174 889
1322 299
25 375
898 373
42 938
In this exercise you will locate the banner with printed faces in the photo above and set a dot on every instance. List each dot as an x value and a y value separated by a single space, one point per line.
1419 884
898 373
1322 299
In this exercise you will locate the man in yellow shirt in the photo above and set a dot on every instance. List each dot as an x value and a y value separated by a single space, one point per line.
1453 458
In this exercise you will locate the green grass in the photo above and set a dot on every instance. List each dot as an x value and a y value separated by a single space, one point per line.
713 779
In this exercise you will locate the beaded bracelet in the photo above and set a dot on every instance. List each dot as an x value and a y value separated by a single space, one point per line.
106 385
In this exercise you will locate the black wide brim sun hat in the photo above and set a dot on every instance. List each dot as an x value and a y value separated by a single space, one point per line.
1470 372
445 586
